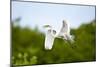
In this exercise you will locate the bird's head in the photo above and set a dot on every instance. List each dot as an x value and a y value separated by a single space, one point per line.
48 27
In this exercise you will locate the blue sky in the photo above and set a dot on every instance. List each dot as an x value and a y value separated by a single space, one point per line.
39 14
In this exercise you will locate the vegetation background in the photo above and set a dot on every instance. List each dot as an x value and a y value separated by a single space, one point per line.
28 46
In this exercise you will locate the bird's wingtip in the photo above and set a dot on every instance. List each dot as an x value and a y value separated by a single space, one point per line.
46 48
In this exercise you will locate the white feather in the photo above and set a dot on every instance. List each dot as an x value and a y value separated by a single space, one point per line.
49 39
65 29
64 34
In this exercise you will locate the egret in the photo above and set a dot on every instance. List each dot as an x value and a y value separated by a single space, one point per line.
51 34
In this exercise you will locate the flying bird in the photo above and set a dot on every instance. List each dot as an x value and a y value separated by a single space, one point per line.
51 34
65 32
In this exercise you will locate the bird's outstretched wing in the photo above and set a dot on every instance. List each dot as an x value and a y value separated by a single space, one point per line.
65 28
49 39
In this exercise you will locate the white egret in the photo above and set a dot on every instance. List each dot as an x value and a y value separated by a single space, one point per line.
51 35
65 32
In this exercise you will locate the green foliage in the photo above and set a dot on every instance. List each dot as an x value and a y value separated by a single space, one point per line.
28 46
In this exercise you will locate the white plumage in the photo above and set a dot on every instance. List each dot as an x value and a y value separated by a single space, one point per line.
51 35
